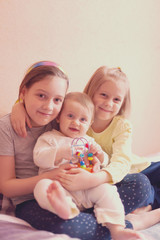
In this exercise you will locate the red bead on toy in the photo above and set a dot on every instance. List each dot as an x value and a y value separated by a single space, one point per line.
87 145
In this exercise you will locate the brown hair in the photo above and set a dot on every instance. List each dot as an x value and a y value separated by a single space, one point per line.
39 71
103 74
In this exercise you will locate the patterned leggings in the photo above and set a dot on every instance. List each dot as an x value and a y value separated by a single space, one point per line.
153 174
135 191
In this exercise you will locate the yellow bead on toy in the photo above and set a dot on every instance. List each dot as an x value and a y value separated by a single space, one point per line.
83 166
78 154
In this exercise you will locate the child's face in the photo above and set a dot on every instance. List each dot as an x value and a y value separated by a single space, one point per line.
108 100
43 100
74 120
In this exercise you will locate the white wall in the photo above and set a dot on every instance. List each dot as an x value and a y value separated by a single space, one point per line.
82 35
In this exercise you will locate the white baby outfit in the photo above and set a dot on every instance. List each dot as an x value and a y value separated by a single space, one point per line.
104 198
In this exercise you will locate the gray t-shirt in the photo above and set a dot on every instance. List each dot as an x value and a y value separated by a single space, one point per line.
22 149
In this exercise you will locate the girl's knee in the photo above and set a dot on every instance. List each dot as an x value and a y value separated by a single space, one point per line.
139 184
138 179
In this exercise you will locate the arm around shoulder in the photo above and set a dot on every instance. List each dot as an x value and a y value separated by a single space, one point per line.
19 118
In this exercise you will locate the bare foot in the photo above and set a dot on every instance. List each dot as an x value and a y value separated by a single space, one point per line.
118 232
144 220
57 198
128 234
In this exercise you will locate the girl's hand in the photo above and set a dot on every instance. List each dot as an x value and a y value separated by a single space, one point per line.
97 151
77 179
66 166
96 164
95 148
56 172
19 118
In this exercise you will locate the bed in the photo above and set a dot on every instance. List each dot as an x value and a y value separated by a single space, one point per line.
12 228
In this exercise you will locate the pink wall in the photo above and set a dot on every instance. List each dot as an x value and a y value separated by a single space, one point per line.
83 35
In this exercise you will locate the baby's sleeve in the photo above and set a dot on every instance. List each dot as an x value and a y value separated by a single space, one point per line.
44 153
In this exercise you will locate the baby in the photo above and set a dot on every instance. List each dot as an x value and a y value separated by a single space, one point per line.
76 117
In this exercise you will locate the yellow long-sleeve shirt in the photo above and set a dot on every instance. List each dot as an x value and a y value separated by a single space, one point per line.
116 141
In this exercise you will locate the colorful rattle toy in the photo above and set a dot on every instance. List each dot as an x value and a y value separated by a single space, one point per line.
80 148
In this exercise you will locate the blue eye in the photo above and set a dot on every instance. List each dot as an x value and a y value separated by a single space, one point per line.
58 100
83 119
117 99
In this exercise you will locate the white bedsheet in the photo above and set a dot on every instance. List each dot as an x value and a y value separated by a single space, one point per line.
12 228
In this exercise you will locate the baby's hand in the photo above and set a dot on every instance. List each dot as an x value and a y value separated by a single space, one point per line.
19 118
67 166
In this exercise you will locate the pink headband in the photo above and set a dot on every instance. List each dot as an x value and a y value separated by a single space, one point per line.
45 63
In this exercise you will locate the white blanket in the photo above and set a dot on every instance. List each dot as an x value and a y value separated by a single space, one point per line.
12 228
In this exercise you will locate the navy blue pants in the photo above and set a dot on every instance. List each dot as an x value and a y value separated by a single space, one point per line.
153 174
134 190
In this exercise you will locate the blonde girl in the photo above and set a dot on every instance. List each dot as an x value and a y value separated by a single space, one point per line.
110 92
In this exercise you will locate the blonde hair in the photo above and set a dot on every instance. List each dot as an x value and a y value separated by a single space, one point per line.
83 99
103 74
